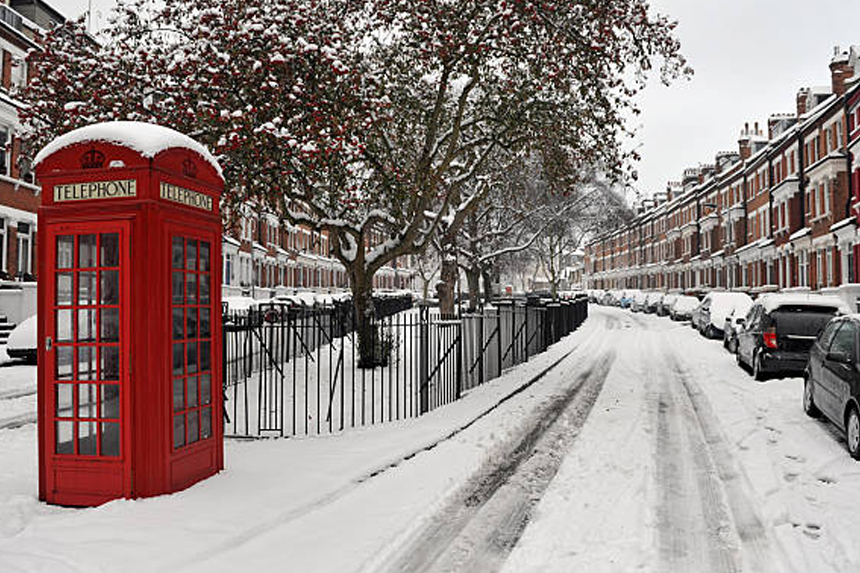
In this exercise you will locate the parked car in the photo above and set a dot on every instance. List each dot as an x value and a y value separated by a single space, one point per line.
831 384
665 306
639 301
627 298
683 307
652 303
716 309
21 343
733 324
781 328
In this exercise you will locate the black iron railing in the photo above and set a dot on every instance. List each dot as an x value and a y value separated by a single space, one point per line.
293 369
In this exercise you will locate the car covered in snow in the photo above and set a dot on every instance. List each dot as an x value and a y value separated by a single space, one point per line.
21 343
780 329
831 384
733 324
716 309
639 300
626 299
664 308
652 302
683 307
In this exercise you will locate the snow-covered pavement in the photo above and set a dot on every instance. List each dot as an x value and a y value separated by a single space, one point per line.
645 449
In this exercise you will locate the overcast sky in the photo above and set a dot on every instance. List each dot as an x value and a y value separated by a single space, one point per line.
750 58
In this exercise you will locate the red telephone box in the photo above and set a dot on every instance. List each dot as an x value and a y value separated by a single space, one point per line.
130 398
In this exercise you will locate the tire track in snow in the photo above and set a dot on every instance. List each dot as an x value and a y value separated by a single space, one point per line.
705 519
480 527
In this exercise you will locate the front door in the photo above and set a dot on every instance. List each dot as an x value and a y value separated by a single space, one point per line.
87 362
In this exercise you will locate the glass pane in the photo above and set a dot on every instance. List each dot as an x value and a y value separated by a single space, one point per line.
65 361
65 437
204 289
64 407
178 394
110 362
191 435
64 325
178 330
110 287
110 439
109 249
191 256
205 389
110 325
65 287
205 362
192 357
205 423
178 359
192 391
178 295
190 288
87 251
204 256
178 430
110 401
86 325
204 323
191 322
87 366
87 438
65 251
177 255
87 287
87 400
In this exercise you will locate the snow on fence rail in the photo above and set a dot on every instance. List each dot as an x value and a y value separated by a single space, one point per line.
293 369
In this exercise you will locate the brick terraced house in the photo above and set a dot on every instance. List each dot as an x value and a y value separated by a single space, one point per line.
780 212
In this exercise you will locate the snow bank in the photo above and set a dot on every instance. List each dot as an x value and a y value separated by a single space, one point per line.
24 335
148 139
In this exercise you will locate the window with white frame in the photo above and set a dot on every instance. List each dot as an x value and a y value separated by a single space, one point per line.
802 268
829 266
228 269
5 149
25 244
19 71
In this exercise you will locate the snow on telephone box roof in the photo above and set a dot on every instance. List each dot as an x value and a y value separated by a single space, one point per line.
148 139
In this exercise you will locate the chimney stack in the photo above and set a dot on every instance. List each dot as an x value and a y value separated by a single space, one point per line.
840 70
802 101
745 143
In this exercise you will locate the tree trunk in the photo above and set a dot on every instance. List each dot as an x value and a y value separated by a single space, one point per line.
473 276
488 284
365 321
445 288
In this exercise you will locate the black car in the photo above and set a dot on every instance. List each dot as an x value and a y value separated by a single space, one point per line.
832 379
780 329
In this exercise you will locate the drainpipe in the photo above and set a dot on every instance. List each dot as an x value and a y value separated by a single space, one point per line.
801 171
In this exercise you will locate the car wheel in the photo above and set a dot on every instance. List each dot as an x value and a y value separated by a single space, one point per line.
852 433
709 332
758 374
808 400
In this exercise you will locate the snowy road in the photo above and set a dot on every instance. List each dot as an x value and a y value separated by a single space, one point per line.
645 448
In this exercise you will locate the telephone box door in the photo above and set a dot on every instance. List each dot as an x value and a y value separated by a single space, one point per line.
87 362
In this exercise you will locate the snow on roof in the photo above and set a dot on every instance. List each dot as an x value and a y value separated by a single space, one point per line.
772 301
800 234
148 139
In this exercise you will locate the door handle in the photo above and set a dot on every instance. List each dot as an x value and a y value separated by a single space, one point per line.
48 343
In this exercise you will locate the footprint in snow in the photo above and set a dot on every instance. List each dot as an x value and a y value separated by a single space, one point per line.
789 476
812 530
796 458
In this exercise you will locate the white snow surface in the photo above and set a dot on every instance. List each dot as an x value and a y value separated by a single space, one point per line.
148 139
786 482
24 335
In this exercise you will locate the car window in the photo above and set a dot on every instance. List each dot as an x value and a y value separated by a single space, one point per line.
752 317
844 340
827 336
